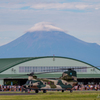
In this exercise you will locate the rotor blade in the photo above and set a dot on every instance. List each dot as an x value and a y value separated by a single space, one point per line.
74 68
46 72
67 69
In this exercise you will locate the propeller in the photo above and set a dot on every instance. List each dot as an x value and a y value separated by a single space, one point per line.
47 71
74 68
56 70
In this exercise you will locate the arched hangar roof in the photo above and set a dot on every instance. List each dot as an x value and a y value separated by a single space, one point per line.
7 63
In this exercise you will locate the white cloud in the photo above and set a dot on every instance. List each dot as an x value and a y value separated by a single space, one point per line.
58 6
44 26
49 5
96 8
82 6
53 6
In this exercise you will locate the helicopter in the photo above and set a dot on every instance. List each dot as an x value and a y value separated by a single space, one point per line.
66 82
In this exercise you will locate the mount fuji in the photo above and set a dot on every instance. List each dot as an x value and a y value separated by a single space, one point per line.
44 39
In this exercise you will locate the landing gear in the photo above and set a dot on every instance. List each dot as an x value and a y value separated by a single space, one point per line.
62 90
44 91
71 90
36 91
25 90
22 90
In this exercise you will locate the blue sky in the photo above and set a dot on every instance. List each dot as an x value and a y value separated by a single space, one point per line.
80 18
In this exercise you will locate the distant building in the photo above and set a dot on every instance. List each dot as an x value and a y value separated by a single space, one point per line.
16 69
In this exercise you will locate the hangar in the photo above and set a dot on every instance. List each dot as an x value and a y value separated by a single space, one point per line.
15 69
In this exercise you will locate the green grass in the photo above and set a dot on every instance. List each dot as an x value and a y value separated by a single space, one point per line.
76 95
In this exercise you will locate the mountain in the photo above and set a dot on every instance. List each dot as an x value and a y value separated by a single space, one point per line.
46 40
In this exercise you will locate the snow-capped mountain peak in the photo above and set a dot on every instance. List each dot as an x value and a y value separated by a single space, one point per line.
44 26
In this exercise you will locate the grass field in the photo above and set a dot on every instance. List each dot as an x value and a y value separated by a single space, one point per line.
76 95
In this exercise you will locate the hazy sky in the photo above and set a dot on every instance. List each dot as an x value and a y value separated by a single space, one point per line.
80 18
